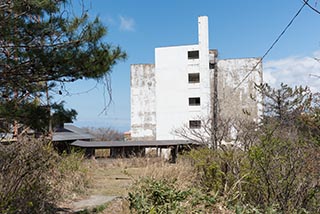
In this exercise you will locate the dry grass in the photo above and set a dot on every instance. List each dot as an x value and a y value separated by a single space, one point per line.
117 206
106 179
182 172
113 177
102 153
157 168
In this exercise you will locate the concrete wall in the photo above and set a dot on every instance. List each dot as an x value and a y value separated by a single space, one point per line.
143 102
160 93
205 72
235 99
173 90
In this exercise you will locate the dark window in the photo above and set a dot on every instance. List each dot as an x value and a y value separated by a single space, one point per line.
193 54
194 78
194 101
212 65
194 124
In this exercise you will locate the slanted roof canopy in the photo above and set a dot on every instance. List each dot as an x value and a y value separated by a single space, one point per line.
70 133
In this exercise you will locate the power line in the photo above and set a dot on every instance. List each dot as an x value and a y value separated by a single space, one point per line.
312 8
274 43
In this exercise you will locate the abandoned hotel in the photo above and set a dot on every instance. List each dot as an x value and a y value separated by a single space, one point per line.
187 86
188 83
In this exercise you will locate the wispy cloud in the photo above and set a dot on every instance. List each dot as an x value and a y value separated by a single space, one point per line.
109 20
294 71
127 23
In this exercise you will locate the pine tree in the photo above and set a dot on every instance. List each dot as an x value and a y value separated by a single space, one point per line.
42 44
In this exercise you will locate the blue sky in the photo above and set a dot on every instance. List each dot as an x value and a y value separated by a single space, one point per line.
238 29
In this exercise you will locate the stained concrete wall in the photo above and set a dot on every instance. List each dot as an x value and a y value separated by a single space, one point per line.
236 89
143 102
160 92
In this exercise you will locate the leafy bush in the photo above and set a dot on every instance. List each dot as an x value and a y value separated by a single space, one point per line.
221 171
273 176
33 177
286 174
276 167
150 196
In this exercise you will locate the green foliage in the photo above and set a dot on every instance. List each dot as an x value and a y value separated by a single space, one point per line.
61 115
278 172
33 177
221 171
44 45
285 104
98 209
273 176
150 196
285 160
29 113
209 170
285 173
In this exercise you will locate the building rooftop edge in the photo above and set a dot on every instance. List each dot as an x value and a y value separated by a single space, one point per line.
175 46
241 58
142 64
259 58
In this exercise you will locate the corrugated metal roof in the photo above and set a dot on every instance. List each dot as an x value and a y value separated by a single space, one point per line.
110 144
71 132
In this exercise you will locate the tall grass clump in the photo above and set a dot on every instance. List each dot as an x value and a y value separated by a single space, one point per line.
162 187
34 178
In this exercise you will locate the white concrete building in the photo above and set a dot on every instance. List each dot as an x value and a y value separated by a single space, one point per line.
179 88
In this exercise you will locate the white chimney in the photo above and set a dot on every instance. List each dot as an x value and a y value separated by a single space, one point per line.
203 34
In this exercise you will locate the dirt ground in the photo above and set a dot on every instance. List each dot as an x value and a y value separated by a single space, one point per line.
110 180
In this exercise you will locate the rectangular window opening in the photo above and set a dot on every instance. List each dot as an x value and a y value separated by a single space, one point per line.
194 101
212 65
193 54
194 124
194 78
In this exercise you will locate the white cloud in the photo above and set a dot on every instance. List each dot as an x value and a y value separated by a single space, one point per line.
109 20
127 23
294 71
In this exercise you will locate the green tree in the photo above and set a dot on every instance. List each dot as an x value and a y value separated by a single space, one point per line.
276 168
288 110
42 44
285 159
62 115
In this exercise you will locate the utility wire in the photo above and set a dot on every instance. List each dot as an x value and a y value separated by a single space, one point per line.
313 8
273 44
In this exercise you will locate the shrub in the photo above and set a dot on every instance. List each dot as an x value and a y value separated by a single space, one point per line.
221 171
286 174
277 175
25 168
149 195
71 175
33 175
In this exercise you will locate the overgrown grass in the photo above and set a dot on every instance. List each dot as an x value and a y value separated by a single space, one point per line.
34 178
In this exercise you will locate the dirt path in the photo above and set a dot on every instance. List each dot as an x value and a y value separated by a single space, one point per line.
110 181
108 188
91 202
